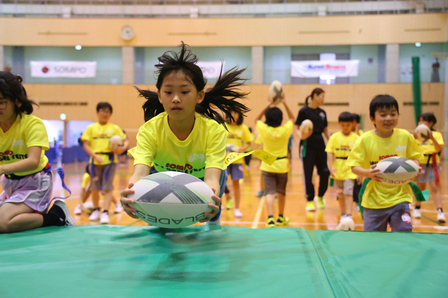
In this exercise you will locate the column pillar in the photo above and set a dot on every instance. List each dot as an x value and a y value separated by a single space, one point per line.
392 51
128 64
257 65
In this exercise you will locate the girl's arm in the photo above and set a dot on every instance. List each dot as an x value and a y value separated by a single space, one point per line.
243 149
140 171
25 165
437 146
211 178
326 133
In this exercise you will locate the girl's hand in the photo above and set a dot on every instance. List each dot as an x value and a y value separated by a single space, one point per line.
420 172
374 173
215 208
307 135
125 201
333 171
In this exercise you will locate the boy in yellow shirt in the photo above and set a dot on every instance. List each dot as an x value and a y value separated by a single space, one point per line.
338 148
96 143
275 141
384 204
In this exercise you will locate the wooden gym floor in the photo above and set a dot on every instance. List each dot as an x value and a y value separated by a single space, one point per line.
253 208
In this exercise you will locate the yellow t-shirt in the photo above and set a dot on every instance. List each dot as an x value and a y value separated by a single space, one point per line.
370 149
275 142
99 136
341 145
27 131
204 148
238 135
428 148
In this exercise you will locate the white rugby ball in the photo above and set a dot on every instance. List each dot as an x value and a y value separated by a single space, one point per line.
306 126
171 199
275 92
115 142
423 132
397 170
346 224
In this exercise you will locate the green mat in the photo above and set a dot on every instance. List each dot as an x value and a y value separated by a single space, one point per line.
117 261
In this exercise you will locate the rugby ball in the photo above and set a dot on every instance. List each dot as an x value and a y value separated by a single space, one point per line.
422 132
346 224
397 170
306 126
171 199
275 93
115 142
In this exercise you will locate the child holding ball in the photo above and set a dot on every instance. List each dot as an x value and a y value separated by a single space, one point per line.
431 166
186 133
26 176
384 204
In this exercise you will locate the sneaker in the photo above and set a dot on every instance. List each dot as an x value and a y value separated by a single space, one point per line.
440 216
320 202
310 206
416 213
95 215
238 213
78 210
282 221
270 223
104 218
118 207
229 204
261 193
68 219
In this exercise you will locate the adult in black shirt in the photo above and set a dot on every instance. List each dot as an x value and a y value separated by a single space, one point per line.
312 148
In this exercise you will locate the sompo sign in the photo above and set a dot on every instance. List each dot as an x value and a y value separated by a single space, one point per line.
63 69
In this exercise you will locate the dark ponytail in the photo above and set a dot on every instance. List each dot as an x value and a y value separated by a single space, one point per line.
317 91
11 87
222 96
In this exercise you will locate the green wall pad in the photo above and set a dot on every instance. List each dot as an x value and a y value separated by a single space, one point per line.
202 261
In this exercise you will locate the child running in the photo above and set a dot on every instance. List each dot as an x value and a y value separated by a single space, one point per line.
338 148
430 163
384 204
26 176
275 141
186 131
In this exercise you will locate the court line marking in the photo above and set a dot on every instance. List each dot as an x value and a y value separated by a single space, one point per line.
258 214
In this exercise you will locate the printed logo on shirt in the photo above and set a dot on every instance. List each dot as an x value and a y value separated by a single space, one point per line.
9 155
400 148
381 158
17 143
187 168
322 115
110 131
102 136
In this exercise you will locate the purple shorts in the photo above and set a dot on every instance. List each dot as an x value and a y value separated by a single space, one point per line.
33 191
236 171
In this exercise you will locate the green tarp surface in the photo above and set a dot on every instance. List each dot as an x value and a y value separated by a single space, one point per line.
198 261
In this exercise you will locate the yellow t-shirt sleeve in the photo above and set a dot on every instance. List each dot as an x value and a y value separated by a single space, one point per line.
146 148
330 144
414 152
357 156
120 133
216 148
247 136
36 134
87 134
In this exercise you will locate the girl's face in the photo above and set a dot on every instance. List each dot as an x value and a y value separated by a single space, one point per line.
429 124
179 96
319 99
7 109
235 117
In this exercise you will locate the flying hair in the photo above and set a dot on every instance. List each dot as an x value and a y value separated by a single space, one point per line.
219 101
